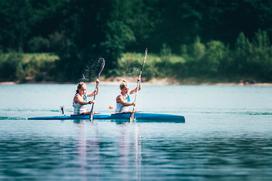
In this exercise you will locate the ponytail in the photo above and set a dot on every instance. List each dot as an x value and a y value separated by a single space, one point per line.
79 86
123 84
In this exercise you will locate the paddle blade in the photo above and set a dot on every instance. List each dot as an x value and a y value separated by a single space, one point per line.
91 117
132 117
101 62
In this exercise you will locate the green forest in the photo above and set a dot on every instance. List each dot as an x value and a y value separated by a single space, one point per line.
205 40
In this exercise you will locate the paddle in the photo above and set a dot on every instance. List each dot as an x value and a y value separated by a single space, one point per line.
101 61
132 116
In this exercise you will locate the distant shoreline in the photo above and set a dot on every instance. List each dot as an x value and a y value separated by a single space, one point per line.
8 83
153 81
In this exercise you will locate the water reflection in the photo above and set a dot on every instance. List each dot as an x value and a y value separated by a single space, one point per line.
82 150
101 151
138 151
120 155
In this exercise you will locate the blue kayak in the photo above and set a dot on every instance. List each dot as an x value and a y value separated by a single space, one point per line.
121 117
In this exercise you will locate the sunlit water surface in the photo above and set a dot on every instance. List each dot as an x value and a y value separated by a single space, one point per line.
227 135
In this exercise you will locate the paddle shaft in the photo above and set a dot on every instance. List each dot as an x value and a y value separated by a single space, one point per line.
138 86
92 108
96 87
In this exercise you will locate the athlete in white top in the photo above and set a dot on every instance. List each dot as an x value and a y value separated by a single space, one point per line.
80 101
123 100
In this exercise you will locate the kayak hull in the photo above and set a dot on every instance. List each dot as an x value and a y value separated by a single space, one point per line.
120 117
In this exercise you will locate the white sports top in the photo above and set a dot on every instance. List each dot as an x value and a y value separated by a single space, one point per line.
120 107
80 109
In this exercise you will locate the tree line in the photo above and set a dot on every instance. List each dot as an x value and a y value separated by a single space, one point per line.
228 38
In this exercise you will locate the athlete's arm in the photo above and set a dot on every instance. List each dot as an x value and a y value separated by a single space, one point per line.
120 100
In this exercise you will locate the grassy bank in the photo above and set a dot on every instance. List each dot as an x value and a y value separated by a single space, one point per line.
27 67
156 66
249 61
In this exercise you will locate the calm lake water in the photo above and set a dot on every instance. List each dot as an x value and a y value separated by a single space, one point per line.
227 135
